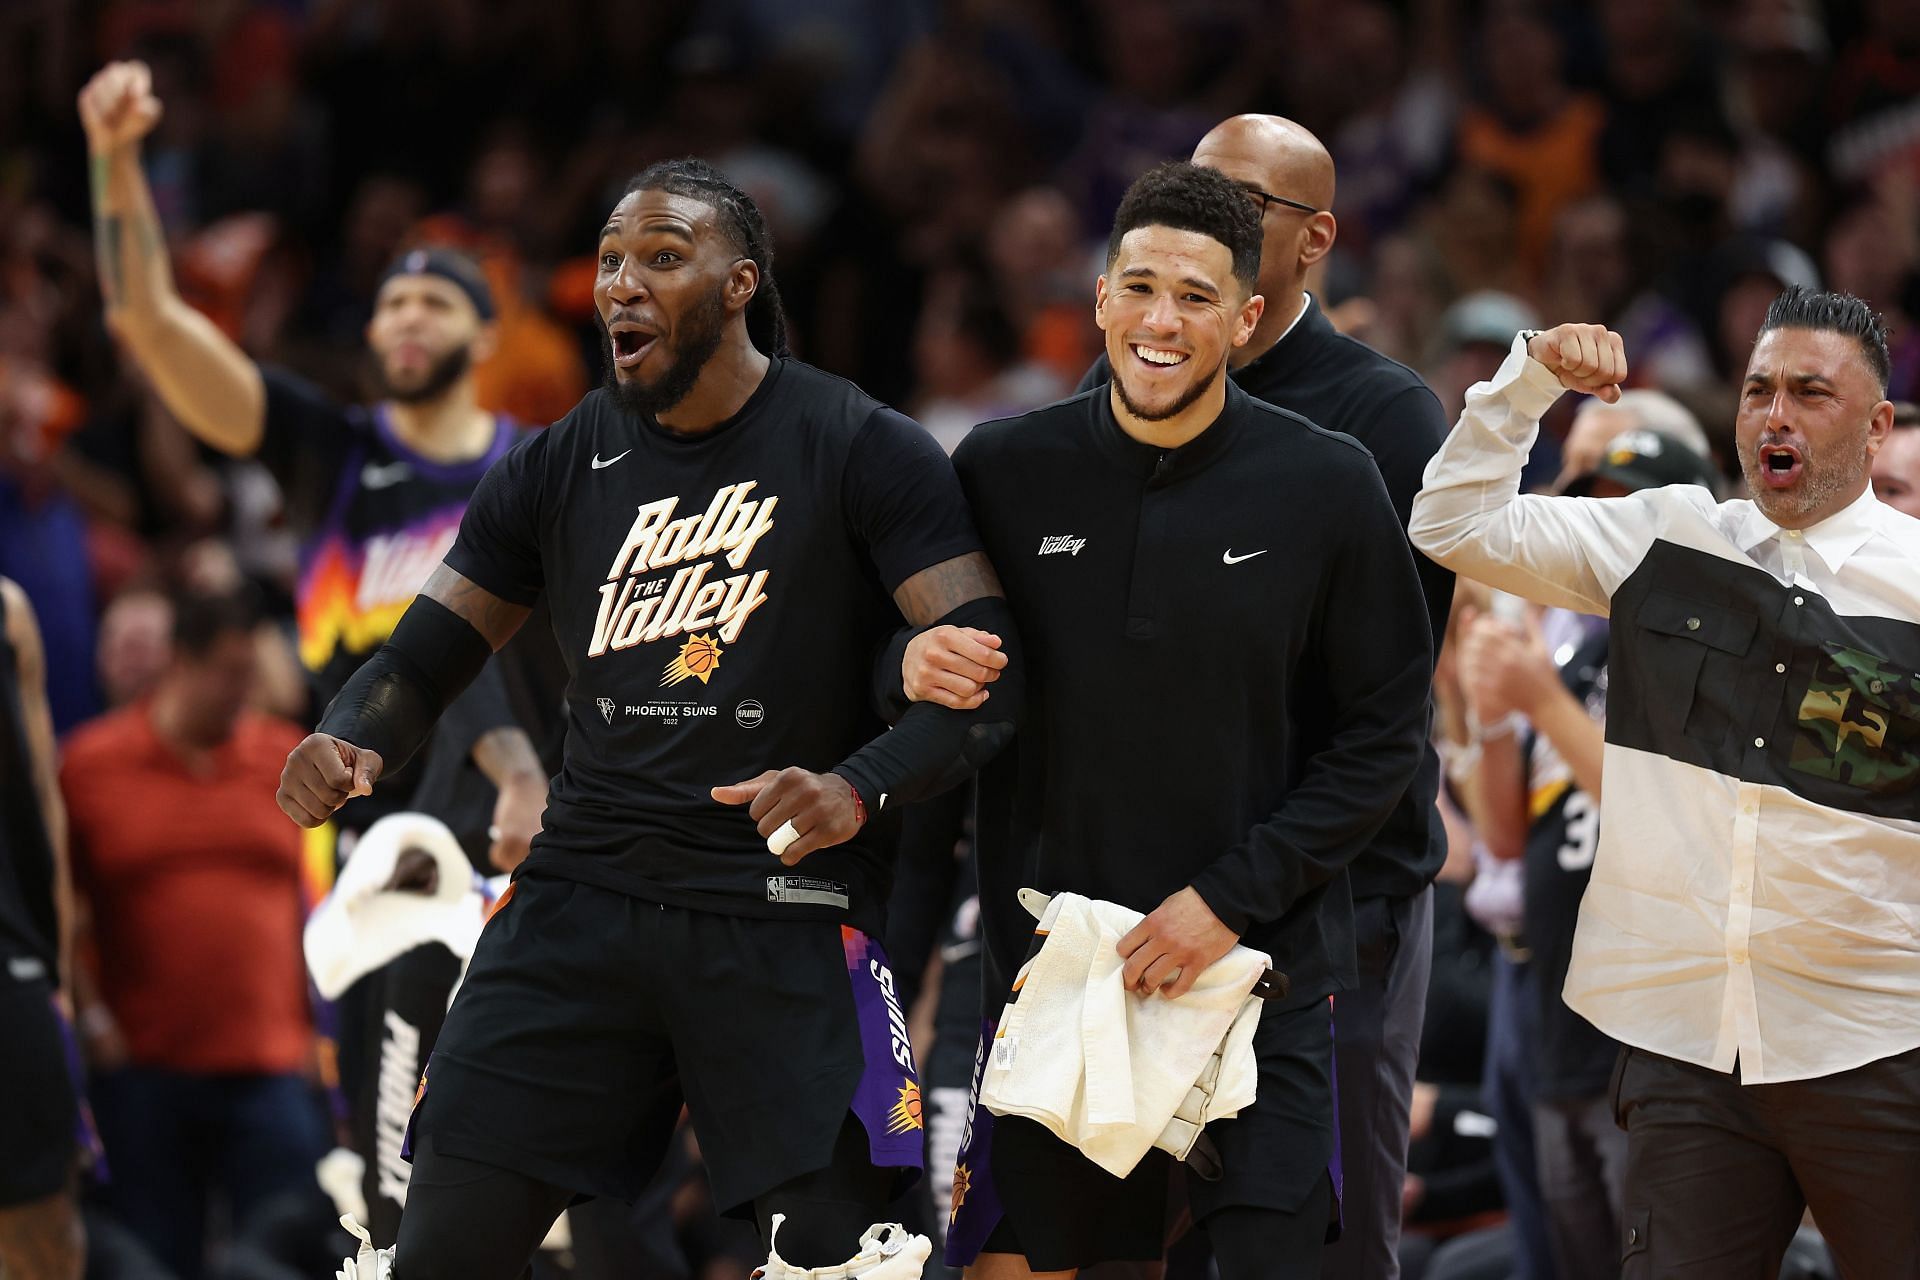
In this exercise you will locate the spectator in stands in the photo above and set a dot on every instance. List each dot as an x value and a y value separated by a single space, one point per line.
194 1012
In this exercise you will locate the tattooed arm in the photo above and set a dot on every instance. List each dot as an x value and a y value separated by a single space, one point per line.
203 377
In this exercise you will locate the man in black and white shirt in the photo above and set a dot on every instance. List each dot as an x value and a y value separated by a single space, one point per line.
1748 932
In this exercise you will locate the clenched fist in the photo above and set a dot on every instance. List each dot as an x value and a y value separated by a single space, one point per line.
118 107
322 774
1585 357
952 666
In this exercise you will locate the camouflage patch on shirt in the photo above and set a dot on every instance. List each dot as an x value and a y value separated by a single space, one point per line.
1859 723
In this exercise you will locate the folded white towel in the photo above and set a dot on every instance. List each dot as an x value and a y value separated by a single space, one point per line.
362 924
1114 1073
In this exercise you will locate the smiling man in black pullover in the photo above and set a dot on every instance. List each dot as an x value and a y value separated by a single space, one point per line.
1227 662
1296 359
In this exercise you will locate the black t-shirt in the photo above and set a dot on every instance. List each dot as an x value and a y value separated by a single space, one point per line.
1227 669
29 927
718 601
1575 1060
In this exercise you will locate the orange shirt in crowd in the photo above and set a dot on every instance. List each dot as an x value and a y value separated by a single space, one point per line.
194 883
1550 165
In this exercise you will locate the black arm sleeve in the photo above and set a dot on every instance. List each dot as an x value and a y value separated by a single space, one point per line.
933 747
890 677
483 708
1374 667
392 702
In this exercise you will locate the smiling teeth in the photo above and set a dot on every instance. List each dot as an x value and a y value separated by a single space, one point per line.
1158 357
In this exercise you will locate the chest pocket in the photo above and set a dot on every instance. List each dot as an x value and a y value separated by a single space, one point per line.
1693 652
1858 723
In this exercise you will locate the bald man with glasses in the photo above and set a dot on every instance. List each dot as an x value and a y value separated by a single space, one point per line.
1298 361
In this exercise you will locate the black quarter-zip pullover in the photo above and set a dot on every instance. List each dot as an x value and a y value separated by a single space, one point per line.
1228 659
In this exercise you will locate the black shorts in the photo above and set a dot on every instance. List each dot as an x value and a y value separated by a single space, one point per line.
39 1122
588 1017
1018 1189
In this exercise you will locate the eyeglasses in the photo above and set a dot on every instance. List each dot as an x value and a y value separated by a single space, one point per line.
1267 197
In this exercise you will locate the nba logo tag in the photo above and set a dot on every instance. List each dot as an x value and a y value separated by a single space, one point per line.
606 708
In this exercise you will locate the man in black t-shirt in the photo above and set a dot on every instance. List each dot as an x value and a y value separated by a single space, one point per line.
40 1232
724 535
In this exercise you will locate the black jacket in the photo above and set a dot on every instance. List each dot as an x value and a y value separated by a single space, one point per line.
1344 385
1228 663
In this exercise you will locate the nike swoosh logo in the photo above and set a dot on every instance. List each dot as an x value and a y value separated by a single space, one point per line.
377 477
597 464
1227 557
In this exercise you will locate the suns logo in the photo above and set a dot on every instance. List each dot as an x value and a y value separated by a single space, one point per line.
698 658
962 1184
905 1113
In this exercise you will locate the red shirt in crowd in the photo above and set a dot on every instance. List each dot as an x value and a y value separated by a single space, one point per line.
194 882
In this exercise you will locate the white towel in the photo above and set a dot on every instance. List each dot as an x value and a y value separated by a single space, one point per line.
1108 1071
362 924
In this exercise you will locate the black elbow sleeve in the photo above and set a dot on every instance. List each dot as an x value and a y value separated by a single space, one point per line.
392 702
933 748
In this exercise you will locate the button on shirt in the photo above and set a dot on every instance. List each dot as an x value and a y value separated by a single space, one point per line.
1757 884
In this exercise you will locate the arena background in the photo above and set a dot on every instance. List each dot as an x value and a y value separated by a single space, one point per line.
938 177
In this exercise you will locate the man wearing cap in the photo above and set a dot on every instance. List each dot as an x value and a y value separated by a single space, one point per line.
1532 787
376 493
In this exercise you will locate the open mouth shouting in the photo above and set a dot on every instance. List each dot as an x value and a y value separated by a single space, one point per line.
631 342
1158 357
1780 464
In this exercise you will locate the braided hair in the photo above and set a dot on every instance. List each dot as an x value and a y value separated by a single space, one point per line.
740 221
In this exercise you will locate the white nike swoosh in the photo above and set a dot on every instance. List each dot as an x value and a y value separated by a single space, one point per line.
597 464
377 477
1227 557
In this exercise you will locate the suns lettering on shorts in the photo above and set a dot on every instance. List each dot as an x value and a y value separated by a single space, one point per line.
896 1020
658 584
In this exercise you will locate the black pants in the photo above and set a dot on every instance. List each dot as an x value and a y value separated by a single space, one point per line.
1718 1173
471 1221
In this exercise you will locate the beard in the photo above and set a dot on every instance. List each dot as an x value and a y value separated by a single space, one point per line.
440 376
1180 404
700 331
1820 484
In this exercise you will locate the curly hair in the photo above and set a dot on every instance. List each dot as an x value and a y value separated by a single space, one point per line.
1187 197
1803 308
740 221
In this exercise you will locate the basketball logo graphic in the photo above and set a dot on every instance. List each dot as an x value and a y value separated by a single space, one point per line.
698 657
905 1114
962 1183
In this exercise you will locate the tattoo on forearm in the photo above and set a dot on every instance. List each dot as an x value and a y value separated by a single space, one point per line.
113 276
495 619
933 593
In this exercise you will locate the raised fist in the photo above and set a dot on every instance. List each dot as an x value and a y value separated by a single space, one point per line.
117 107
1585 357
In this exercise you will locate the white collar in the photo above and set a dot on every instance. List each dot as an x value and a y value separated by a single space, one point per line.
1306 305
1834 539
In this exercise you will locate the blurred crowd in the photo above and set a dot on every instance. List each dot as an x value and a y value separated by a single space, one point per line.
938 176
